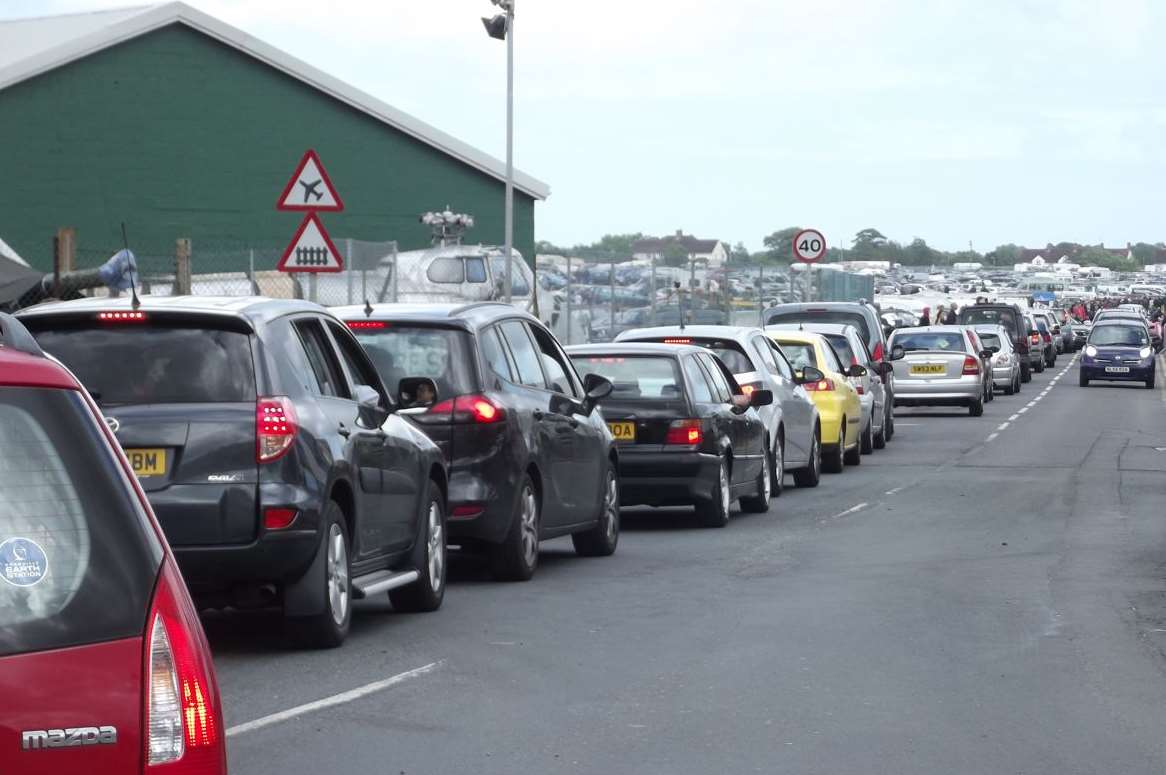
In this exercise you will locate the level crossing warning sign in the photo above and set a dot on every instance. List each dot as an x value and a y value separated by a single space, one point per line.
311 250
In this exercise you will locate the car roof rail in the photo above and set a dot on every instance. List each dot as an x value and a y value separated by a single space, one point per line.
13 334
479 304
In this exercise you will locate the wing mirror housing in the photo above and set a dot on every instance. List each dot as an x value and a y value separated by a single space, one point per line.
809 374
417 392
856 371
370 412
761 398
898 353
595 388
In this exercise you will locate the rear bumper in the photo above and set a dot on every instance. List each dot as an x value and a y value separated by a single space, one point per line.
484 491
666 478
938 391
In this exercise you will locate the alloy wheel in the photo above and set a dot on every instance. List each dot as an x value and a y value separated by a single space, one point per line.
611 506
724 487
816 456
529 526
436 548
337 574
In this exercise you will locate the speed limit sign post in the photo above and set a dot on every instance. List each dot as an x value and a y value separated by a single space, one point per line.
809 246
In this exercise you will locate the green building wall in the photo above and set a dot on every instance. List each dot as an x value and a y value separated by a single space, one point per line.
179 135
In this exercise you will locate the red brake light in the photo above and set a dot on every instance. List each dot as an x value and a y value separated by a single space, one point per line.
481 408
878 353
278 518
971 366
463 410
184 719
822 385
685 432
276 425
677 340
467 511
122 317
1035 338
366 324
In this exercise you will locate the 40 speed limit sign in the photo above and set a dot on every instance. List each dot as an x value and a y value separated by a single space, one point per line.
809 246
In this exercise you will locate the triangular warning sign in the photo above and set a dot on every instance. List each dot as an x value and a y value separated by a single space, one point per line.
311 250
310 188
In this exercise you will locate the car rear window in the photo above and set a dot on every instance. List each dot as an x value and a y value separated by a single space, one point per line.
989 315
990 340
842 347
634 376
929 340
76 561
730 353
154 364
824 315
442 354
799 354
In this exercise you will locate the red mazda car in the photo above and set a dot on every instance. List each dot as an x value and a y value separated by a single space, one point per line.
104 666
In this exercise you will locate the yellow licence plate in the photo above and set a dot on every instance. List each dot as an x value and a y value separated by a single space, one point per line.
147 462
623 431
929 368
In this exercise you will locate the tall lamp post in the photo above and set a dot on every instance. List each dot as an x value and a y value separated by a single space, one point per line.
501 27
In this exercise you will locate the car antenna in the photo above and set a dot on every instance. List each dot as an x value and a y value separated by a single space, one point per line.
135 302
367 309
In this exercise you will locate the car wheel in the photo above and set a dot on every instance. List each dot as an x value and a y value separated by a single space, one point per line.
1150 382
880 438
812 473
516 558
1010 388
853 457
976 408
601 540
1082 380
759 503
1026 373
890 422
1040 366
866 442
329 628
430 557
715 511
832 459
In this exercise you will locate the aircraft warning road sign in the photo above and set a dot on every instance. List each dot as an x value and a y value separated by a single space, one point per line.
311 250
809 246
310 188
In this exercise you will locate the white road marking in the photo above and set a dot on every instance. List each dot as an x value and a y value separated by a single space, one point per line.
329 702
850 510
1002 426
992 436
1014 417
1023 409
896 490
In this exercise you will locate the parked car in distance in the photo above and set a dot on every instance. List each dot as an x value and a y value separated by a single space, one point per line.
277 463
848 344
688 433
820 371
939 366
1005 363
1037 347
96 625
862 316
1118 350
530 459
791 421
1015 323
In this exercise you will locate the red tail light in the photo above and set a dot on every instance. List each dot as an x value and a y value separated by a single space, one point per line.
357 325
878 353
276 425
278 518
971 366
822 385
1035 338
184 718
685 432
464 410
122 317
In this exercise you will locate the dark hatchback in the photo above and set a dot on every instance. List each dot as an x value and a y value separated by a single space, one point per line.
1118 350
688 434
270 451
529 457
1012 318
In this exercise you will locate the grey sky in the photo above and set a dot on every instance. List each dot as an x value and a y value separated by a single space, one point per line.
952 120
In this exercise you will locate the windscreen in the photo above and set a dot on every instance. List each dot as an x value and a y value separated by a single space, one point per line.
634 376
76 562
823 315
1119 336
155 364
941 341
799 354
441 354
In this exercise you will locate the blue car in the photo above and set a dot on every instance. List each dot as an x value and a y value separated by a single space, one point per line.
1118 350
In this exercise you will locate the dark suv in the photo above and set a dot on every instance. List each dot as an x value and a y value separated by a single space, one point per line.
529 457
273 456
1012 318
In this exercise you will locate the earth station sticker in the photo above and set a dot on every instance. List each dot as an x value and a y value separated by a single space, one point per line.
22 562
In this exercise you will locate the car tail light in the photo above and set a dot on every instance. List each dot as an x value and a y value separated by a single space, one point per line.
971 366
878 353
467 511
677 340
858 388
122 317
463 410
685 432
822 385
276 425
278 518
1035 338
357 325
184 720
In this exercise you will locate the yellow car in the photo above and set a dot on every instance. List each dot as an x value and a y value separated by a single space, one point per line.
837 400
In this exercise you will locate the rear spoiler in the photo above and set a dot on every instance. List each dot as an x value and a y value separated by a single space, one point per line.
13 334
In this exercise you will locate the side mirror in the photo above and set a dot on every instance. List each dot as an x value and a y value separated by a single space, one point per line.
761 398
856 371
988 353
416 392
370 413
898 353
595 388
809 375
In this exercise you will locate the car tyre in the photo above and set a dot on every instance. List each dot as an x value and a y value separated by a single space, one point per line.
1150 382
430 556
715 511
329 628
976 408
812 473
833 459
1025 373
1040 366
889 425
759 503
516 558
1010 388
601 540
880 438
866 441
1082 380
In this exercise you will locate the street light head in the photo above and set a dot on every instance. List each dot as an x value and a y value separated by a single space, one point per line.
496 27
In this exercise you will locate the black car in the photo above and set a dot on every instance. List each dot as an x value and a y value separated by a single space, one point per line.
1013 319
688 434
529 458
275 460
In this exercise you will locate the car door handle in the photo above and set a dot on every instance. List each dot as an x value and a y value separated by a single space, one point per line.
344 431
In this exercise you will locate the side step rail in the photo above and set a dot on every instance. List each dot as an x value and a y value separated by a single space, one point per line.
381 581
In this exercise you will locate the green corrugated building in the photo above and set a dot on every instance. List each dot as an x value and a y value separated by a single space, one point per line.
180 125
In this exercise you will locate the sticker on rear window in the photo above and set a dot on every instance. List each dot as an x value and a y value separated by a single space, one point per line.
22 562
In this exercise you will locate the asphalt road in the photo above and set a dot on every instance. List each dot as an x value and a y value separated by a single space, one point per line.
986 595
